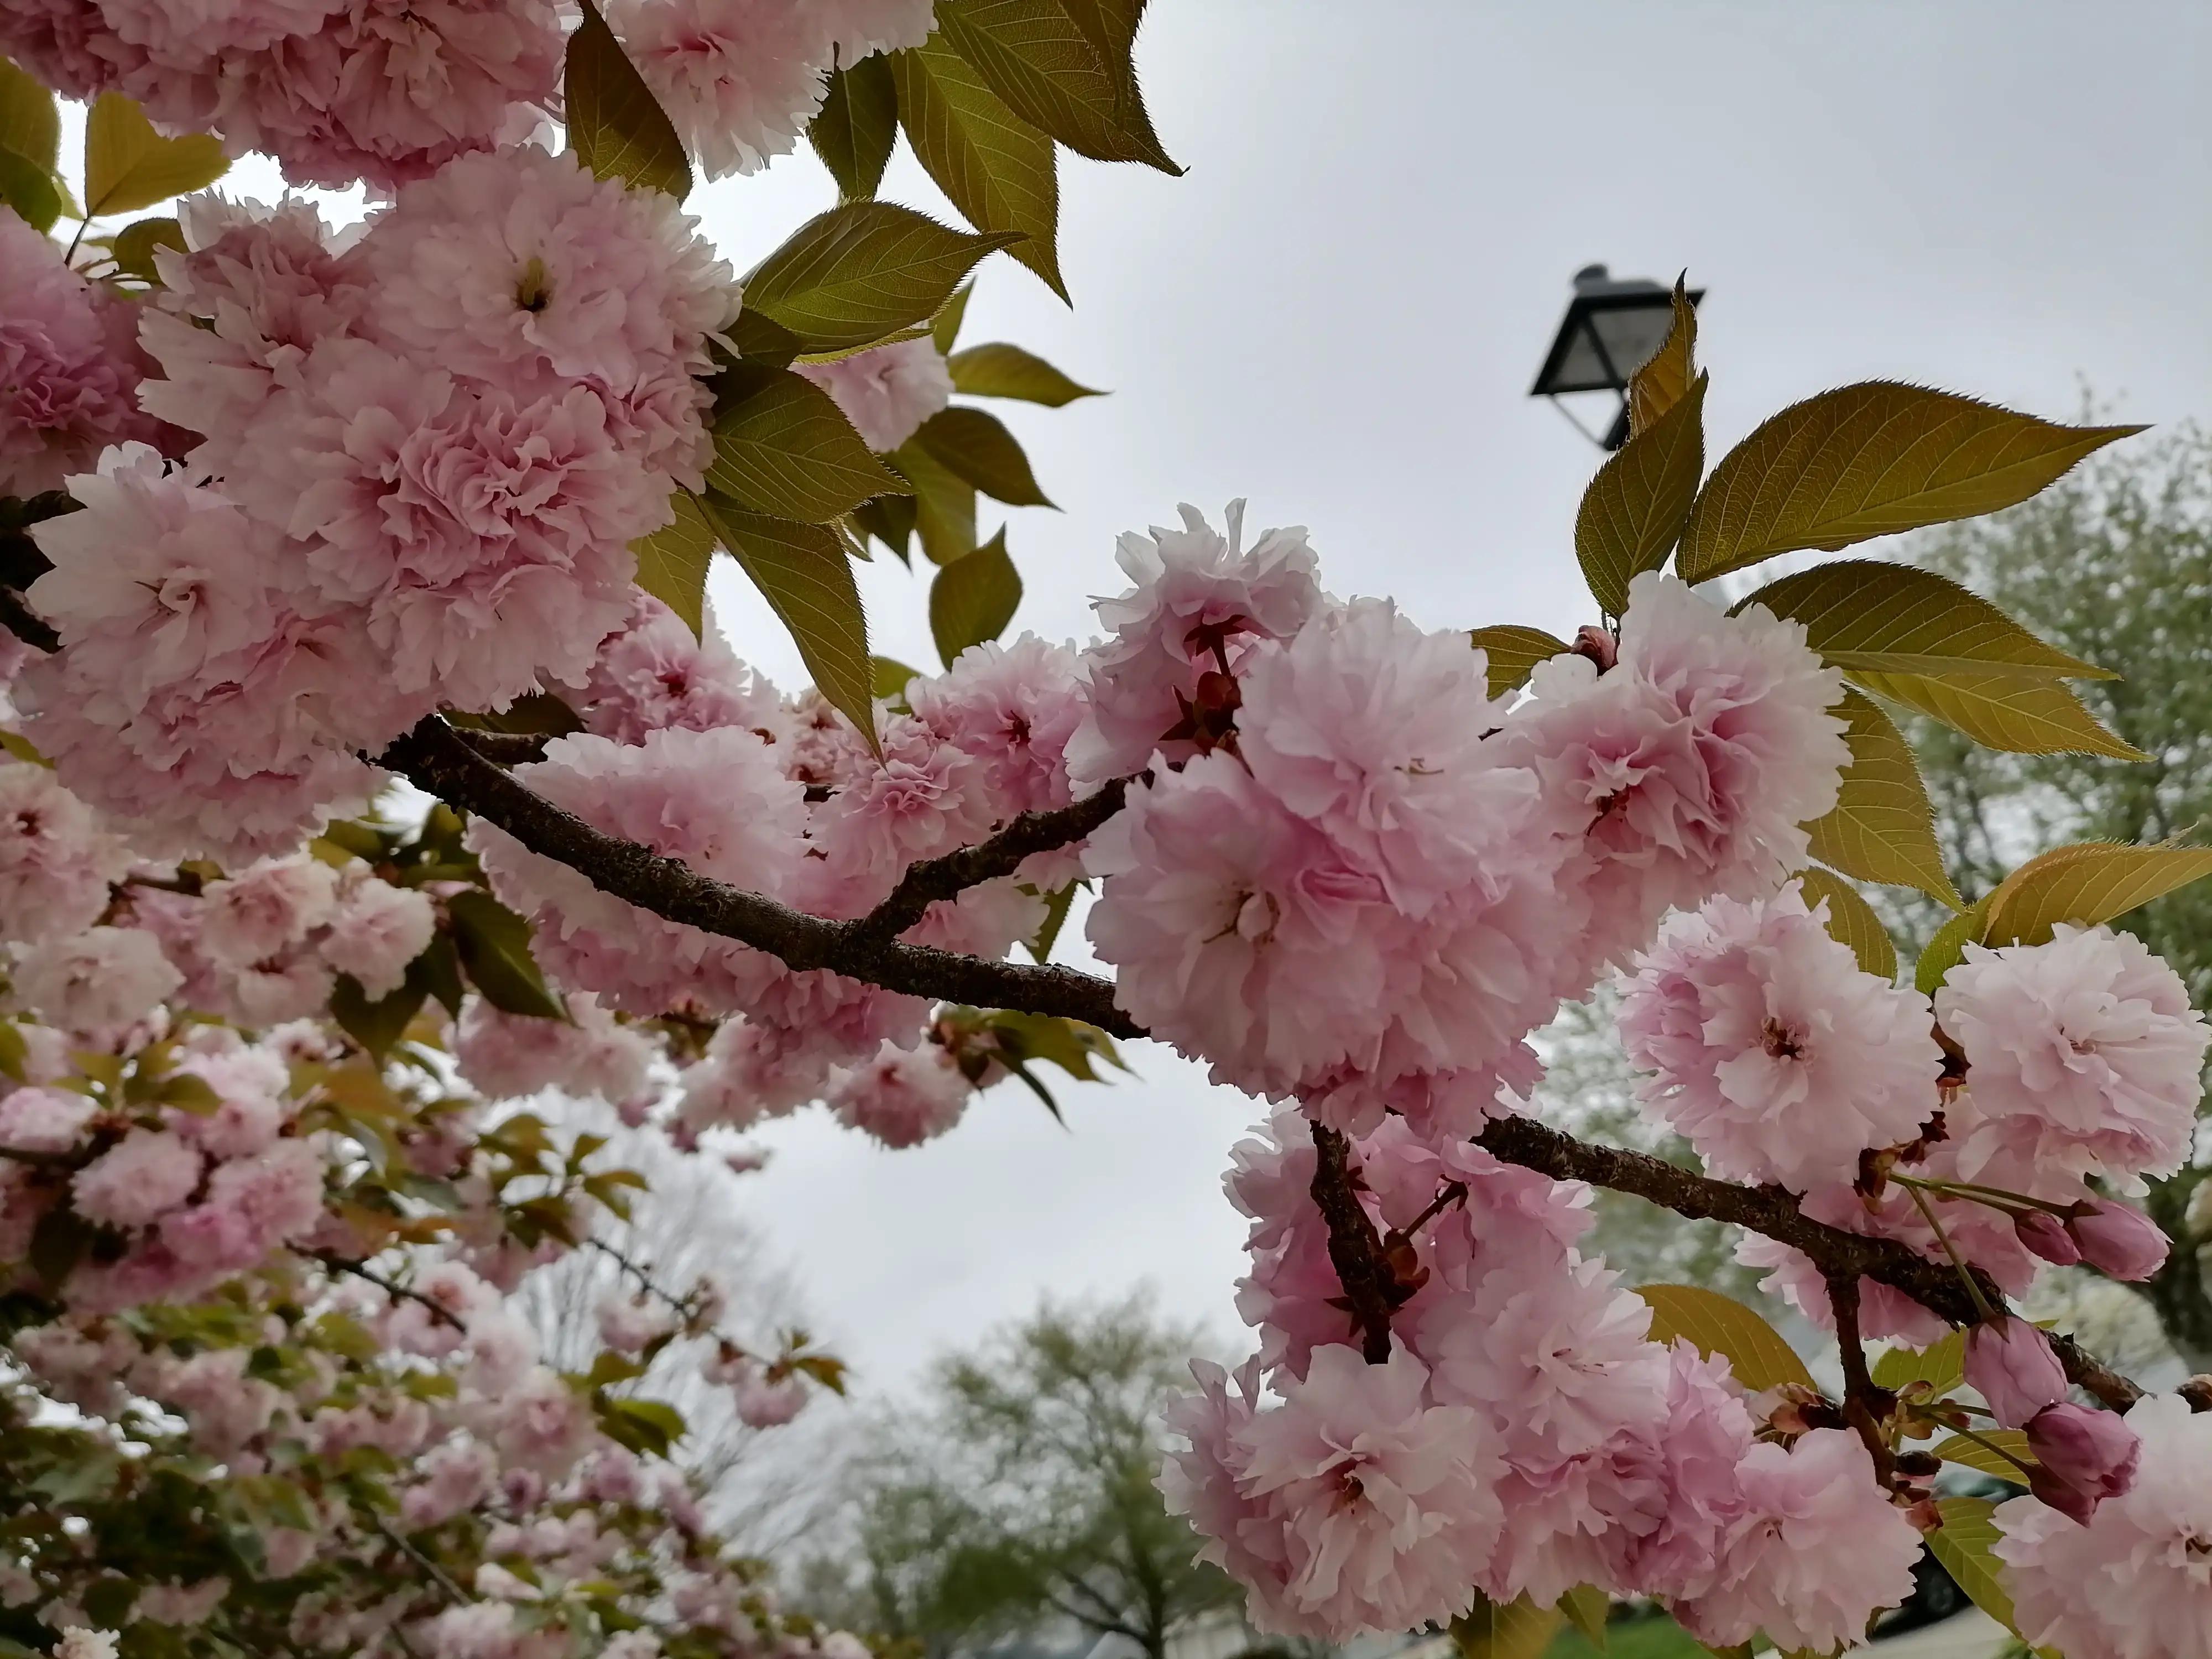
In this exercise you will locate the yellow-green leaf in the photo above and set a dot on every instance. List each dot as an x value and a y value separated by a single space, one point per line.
616 125
973 598
1898 619
1665 378
802 571
944 327
783 448
1586 1607
1941 1365
2087 884
1000 370
16 1053
2017 710
672 562
30 121
1943 952
2010 1444
129 166
976 447
134 246
944 504
1715 1324
1633 510
857 126
1517 1630
860 272
889 677
30 189
994 167
1052 73
1851 921
1514 652
494 949
1872 460
1963 1544
1882 827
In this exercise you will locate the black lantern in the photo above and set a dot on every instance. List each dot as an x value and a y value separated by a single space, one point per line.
1612 327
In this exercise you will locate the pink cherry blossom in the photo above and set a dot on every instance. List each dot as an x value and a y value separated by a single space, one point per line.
739 78
904 1096
505 1057
1778 1057
2083 1053
2134 1580
1011 709
1817 1551
1200 601
859 27
750 1071
653 672
1375 1506
142 1177
886 391
269 907
924 799
375 930
70 363
55 859
98 983
44 1121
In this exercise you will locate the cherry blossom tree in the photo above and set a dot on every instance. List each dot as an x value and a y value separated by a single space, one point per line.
294 515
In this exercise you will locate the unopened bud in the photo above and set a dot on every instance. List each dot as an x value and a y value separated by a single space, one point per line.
2010 1365
2119 1241
2045 1234
2082 1457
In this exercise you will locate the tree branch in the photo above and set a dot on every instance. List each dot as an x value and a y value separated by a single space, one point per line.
1861 1397
503 748
435 758
933 879
391 1287
1354 1250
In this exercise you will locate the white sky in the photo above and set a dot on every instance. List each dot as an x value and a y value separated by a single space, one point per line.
1337 314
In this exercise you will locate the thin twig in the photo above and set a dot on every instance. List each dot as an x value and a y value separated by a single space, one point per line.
1355 1249
391 1287
1860 1394
460 1597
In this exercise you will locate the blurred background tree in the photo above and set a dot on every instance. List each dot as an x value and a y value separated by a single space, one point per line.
1017 1494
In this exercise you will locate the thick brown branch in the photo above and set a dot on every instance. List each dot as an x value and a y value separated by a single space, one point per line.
1863 1402
1354 1250
504 748
435 758
1774 1214
933 879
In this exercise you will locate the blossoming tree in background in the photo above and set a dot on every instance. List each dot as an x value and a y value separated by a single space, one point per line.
293 514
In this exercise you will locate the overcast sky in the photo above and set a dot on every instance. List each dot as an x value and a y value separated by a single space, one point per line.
1337 314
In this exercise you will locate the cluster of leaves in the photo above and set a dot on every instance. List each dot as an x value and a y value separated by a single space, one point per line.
128 165
794 493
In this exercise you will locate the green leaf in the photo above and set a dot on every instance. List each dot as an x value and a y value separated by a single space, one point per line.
2087 884
1110 26
494 950
1943 952
993 166
973 598
30 189
944 504
441 966
188 1093
673 561
134 245
377 1025
616 125
944 327
1715 1324
889 677
1067 1043
854 131
1586 1607
1957 1448
1517 1630
1666 377
30 121
1000 370
1872 460
1963 1544
14 1052
1851 921
648 1426
890 521
977 448
128 165
2018 711
1035 56
1633 510
1514 652
1056 903
803 572
783 448
1882 827
1941 1365
849 276
1898 619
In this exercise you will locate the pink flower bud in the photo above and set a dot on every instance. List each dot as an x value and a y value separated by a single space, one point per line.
2119 1241
2045 1234
2083 1457
2010 1365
